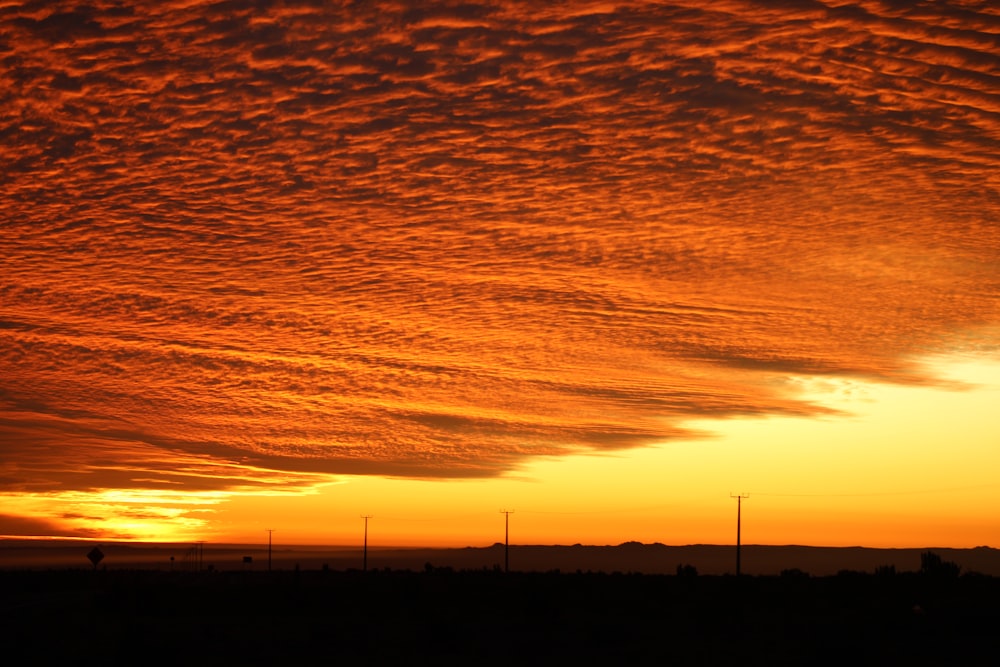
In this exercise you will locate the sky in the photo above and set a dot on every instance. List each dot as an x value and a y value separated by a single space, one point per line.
281 264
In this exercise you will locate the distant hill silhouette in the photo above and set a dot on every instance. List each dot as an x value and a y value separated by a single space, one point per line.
628 557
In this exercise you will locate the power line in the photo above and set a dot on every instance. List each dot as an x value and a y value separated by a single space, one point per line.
431 519
954 489
609 511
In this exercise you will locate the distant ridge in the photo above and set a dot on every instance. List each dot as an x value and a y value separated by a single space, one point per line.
627 557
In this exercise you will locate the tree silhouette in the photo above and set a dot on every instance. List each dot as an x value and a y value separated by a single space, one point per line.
687 571
932 565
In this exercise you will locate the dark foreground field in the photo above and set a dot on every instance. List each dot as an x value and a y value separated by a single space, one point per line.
78 617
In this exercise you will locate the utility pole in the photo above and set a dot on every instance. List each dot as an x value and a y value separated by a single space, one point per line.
739 502
364 567
269 531
506 539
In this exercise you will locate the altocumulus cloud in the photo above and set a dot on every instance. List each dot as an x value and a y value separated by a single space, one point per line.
248 247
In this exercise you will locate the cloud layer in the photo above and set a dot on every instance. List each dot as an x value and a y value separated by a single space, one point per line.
247 246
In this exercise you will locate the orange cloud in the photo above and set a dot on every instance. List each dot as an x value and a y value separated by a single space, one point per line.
266 245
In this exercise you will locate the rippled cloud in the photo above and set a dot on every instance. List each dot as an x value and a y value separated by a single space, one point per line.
250 247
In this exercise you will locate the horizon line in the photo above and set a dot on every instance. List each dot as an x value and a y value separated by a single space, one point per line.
63 540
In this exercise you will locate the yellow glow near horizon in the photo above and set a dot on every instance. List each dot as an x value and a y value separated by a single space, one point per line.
898 466
901 467
119 514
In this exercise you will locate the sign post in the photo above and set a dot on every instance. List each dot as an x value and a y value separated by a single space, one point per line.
95 556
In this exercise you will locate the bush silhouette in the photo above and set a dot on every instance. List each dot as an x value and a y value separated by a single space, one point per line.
687 571
885 571
932 565
794 573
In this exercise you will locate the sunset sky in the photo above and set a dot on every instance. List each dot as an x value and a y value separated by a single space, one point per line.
279 264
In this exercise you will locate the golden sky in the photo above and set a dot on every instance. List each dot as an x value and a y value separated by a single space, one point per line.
280 264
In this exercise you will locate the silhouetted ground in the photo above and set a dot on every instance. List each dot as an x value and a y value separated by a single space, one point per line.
627 557
439 616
